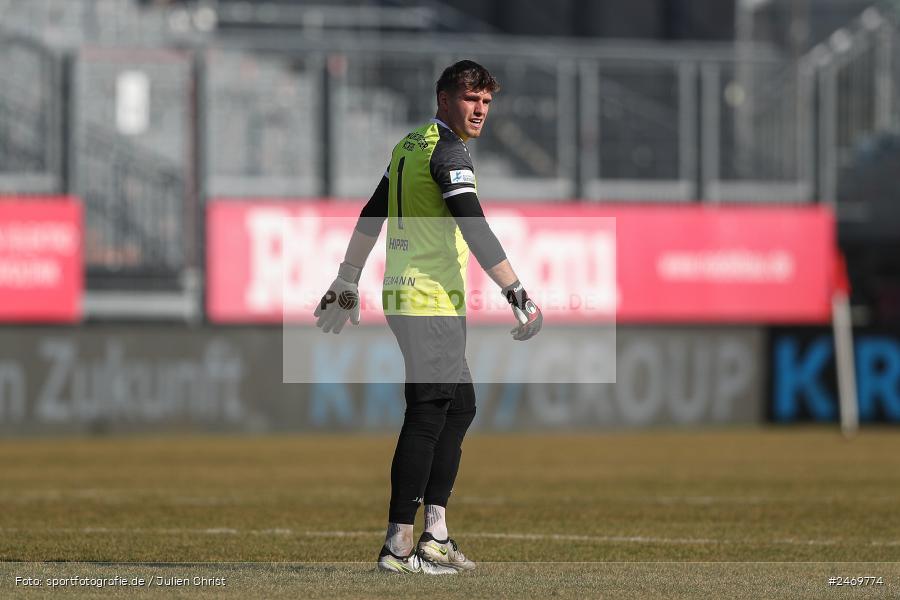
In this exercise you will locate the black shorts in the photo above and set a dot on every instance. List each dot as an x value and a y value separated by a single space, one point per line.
434 353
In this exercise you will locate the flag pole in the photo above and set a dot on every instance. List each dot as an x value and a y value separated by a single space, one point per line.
842 326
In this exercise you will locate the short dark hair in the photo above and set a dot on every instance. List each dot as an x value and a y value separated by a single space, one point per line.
466 74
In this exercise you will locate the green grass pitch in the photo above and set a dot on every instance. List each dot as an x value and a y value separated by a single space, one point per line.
743 513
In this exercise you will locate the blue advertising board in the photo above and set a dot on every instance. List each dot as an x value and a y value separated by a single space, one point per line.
804 380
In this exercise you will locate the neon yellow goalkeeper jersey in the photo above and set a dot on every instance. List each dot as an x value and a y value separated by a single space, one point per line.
427 256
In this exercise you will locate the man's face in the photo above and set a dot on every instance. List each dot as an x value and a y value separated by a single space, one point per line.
466 111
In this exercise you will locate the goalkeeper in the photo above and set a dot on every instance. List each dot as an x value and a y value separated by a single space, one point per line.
428 196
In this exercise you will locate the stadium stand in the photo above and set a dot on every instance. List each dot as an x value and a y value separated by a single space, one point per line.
241 104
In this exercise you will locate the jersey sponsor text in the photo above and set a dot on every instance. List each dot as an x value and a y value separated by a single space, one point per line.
398 244
462 176
399 280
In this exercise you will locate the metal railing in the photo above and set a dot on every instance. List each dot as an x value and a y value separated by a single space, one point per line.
134 203
319 116
528 151
31 114
572 121
132 148
757 127
638 126
859 93
264 126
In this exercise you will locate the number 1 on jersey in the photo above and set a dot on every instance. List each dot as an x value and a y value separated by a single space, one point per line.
400 192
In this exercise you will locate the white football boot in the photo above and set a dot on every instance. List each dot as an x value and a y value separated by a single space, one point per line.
391 563
437 553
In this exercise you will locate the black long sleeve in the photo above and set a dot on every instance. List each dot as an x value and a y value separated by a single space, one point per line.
467 211
374 213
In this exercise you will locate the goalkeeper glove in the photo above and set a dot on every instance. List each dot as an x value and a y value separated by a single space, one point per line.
341 301
525 310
